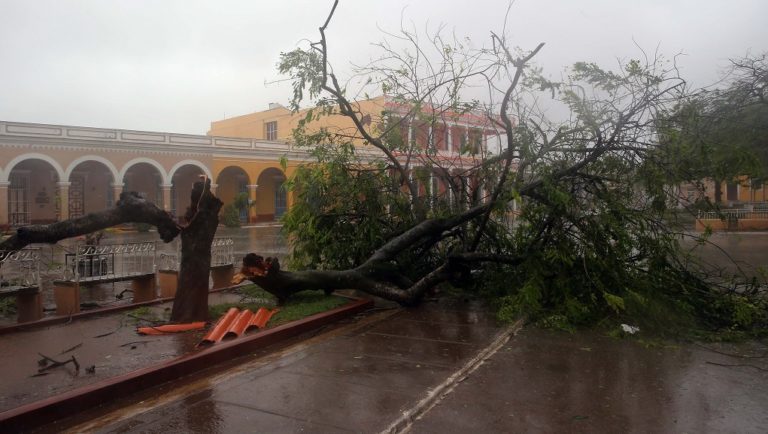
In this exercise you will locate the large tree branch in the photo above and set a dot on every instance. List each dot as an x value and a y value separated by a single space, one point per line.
519 64
131 208
424 229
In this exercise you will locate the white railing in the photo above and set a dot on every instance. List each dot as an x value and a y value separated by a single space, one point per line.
20 269
222 252
125 137
109 261
733 214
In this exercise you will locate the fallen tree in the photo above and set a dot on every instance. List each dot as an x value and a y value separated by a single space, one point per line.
565 223
191 302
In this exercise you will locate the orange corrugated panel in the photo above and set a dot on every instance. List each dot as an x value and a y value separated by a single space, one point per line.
262 317
239 324
170 328
221 327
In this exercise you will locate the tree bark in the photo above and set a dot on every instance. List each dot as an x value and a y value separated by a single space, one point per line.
131 208
191 302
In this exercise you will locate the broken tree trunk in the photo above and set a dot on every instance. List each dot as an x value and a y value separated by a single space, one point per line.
191 302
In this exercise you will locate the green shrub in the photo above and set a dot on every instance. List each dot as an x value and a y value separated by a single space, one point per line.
230 216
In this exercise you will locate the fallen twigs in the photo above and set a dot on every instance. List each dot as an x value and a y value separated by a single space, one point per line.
45 366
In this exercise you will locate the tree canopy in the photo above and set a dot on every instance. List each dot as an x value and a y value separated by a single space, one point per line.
589 241
722 133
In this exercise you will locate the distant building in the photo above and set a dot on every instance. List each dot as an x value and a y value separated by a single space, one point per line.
738 193
447 132
53 172
455 141
50 173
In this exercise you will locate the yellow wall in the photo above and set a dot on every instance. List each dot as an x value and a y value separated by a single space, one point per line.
253 125
745 191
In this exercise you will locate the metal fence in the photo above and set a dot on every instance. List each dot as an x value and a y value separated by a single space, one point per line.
109 261
20 269
222 253
734 214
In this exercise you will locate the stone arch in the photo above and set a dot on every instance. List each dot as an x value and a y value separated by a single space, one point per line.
112 169
180 164
34 190
150 189
136 161
271 198
32 156
232 181
181 179
90 185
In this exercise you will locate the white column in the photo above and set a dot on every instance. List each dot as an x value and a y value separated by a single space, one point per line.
166 196
117 189
4 185
64 200
251 200
410 182
432 189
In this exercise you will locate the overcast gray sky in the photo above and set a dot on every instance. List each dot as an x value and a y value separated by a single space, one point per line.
174 66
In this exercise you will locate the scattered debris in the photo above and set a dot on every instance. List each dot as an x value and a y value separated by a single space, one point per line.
132 343
113 331
120 294
170 328
628 329
44 363
71 349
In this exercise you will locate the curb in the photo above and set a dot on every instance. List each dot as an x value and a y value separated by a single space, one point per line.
36 414
93 312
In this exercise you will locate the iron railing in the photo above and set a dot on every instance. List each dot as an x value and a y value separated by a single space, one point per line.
734 214
109 261
20 269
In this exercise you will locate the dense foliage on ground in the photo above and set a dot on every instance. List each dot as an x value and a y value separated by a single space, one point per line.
565 224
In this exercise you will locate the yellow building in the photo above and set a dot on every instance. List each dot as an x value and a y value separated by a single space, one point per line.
744 191
50 173
446 131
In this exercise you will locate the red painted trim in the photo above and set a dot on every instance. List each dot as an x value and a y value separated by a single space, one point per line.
45 322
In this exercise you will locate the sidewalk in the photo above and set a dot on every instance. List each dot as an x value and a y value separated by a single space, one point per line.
360 380
369 374
548 382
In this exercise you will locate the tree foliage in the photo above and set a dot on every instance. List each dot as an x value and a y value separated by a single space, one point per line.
722 133
590 242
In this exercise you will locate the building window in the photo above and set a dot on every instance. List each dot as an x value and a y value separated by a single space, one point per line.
270 130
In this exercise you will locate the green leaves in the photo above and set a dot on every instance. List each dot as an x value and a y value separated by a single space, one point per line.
305 69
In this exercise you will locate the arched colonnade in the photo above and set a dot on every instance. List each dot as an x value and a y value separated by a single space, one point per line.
35 188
